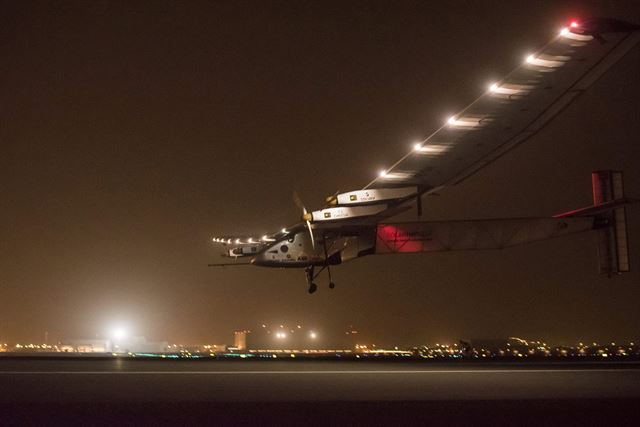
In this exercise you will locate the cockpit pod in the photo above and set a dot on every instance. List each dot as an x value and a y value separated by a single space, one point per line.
244 250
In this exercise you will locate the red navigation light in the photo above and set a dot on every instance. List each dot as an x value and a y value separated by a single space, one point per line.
574 24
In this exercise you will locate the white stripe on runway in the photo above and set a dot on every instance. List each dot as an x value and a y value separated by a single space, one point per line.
363 372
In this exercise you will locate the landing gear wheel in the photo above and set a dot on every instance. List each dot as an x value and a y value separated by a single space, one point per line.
332 285
312 288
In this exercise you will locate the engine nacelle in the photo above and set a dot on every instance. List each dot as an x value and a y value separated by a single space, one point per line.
338 213
372 195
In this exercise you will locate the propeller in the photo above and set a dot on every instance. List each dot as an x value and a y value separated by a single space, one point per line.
305 216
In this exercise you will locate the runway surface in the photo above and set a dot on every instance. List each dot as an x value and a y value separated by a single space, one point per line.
241 391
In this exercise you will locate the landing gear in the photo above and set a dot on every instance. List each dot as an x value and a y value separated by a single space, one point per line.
331 284
312 275
326 260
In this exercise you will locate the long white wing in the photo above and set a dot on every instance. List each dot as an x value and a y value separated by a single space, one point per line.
511 111
514 109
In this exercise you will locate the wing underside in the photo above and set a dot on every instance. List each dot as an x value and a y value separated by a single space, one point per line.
508 113
515 108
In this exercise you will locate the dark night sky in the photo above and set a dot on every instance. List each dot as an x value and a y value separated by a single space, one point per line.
132 134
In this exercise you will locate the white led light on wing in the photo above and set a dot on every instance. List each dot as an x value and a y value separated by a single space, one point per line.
547 61
508 89
395 175
573 36
463 122
429 149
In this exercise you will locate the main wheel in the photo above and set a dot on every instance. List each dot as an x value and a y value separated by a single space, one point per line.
332 285
312 288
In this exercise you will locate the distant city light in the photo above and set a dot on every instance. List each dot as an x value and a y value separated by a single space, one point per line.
313 335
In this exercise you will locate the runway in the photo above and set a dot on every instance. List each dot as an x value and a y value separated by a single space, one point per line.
245 389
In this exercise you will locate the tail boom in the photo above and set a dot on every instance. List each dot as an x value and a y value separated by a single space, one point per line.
437 236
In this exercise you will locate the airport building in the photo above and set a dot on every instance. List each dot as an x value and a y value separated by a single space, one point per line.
293 338
139 345
125 345
85 346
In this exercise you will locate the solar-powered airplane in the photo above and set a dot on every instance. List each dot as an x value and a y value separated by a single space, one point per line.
356 223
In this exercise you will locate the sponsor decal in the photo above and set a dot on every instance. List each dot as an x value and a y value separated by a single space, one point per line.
368 197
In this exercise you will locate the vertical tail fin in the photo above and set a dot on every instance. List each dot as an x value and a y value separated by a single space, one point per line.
613 250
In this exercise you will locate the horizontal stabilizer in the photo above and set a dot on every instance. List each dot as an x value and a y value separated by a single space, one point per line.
228 264
598 209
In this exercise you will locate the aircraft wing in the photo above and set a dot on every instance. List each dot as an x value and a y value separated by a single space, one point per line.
514 108
508 113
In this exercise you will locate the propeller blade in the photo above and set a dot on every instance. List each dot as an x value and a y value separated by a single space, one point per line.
298 201
313 243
